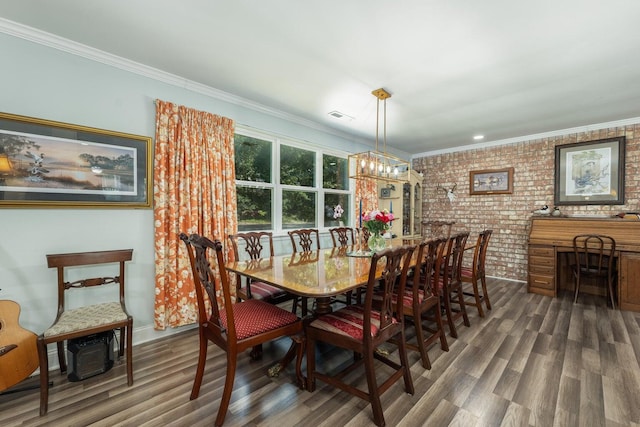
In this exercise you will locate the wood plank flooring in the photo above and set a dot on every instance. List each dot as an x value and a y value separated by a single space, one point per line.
532 361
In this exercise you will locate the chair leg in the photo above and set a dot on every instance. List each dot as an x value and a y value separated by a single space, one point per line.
232 360
611 295
422 347
202 359
374 393
577 283
476 296
440 325
404 362
44 375
311 364
129 331
62 361
447 308
485 294
463 307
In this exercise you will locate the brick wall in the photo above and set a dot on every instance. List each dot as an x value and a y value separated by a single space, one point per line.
508 214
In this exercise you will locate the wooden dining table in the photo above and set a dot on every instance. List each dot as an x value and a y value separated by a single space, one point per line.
319 274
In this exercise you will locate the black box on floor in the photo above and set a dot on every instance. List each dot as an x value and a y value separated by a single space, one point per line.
90 355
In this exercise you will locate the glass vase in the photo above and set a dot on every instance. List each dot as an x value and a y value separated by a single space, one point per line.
376 242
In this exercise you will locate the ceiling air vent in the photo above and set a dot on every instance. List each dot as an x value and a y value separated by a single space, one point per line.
339 115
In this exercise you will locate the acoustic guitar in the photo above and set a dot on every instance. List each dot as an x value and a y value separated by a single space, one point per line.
18 349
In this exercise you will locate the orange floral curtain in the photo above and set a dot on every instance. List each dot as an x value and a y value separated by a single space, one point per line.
367 194
194 192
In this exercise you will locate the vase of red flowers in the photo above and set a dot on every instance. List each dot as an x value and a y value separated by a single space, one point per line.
377 222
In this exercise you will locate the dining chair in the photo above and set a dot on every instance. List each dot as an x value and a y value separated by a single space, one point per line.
437 229
234 327
302 240
450 283
254 243
421 301
594 259
476 273
102 317
342 236
362 328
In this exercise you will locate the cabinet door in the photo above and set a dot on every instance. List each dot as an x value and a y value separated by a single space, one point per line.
629 281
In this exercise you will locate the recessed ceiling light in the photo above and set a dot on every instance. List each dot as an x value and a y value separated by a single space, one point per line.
338 115
478 137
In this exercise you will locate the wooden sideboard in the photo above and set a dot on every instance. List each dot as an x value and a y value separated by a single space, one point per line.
551 245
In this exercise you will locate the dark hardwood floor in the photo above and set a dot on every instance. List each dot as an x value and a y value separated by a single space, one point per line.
532 360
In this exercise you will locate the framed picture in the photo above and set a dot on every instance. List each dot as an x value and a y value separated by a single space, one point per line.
491 181
590 173
49 164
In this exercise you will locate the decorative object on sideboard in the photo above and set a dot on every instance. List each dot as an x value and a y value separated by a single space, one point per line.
590 173
556 212
542 211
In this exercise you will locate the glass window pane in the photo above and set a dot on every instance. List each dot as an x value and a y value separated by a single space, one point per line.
297 166
254 208
331 200
335 174
252 159
298 209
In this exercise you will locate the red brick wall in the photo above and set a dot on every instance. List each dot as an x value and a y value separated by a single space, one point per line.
508 214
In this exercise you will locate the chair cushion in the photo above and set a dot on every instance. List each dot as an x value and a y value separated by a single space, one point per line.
253 317
467 272
407 300
87 317
348 321
261 290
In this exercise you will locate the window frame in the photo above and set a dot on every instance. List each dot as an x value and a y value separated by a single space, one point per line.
276 202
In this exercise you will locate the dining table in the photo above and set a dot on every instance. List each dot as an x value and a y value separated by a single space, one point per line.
321 274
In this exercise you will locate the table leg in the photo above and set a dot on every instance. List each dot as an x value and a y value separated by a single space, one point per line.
323 306
296 350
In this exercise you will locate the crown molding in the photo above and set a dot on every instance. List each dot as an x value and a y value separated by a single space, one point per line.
525 138
51 40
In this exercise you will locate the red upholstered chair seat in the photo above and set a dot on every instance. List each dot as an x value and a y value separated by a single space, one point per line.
407 300
254 317
348 321
466 272
261 290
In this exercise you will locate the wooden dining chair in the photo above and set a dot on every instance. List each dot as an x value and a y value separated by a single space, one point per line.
436 229
594 259
362 328
476 274
101 317
234 327
342 236
421 302
305 240
254 243
450 282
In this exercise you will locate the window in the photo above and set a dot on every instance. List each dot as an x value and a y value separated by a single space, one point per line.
285 184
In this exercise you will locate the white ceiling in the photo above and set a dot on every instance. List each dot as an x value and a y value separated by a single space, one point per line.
455 68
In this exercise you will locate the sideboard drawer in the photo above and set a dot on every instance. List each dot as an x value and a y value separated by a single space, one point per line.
541 281
542 251
541 261
545 269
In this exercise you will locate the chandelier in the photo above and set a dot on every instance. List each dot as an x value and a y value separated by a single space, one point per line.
376 164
